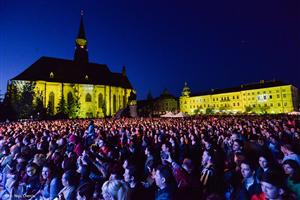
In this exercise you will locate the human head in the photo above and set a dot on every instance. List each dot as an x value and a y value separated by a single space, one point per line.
237 145
207 157
69 178
85 192
148 151
47 171
292 169
187 164
163 176
263 161
31 169
246 169
130 174
272 185
166 147
114 190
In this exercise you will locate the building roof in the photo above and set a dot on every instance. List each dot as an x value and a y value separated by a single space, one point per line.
251 86
69 71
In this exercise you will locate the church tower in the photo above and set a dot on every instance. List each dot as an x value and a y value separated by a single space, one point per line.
81 51
186 91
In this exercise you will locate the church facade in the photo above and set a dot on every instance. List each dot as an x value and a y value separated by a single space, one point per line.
98 91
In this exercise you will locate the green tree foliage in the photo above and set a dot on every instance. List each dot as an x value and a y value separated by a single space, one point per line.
50 110
18 101
62 111
73 107
209 111
26 100
40 111
248 109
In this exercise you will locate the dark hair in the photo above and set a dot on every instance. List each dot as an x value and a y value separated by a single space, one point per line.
71 177
150 149
166 173
86 190
275 178
296 175
133 172
249 163
240 142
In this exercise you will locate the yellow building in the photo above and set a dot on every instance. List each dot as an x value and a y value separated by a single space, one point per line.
99 91
264 97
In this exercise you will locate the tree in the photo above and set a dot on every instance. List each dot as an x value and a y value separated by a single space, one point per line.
39 109
62 112
73 106
209 111
10 104
50 110
248 109
26 100
197 111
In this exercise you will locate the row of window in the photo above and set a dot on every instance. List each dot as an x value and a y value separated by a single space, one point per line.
265 105
264 92
249 98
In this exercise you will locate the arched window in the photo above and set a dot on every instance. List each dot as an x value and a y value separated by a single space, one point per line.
70 98
100 100
114 103
88 98
51 102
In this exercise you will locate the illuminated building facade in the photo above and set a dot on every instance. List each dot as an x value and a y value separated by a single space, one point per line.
99 91
264 97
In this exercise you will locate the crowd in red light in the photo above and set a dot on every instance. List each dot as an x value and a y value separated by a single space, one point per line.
208 157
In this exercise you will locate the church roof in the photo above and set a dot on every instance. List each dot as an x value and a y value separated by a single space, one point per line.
67 71
252 86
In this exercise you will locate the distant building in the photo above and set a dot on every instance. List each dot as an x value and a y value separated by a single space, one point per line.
158 106
99 91
264 97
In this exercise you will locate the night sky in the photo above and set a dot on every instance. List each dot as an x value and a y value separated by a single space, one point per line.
162 43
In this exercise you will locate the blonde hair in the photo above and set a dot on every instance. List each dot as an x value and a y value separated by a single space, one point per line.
116 188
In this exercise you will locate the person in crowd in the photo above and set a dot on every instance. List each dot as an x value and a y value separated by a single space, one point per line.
31 181
249 186
218 145
273 188
164 180
292 170
264 166
51 185
85 192
69 181
289 153
135 188
115 190
208 178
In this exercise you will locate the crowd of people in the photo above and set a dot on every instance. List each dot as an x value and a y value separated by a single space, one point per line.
207 157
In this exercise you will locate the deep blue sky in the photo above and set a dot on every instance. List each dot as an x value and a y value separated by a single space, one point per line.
209 44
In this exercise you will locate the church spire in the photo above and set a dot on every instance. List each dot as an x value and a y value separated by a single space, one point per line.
81 33
81 52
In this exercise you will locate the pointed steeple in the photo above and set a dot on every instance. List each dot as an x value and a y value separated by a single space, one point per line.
81 51
81 33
